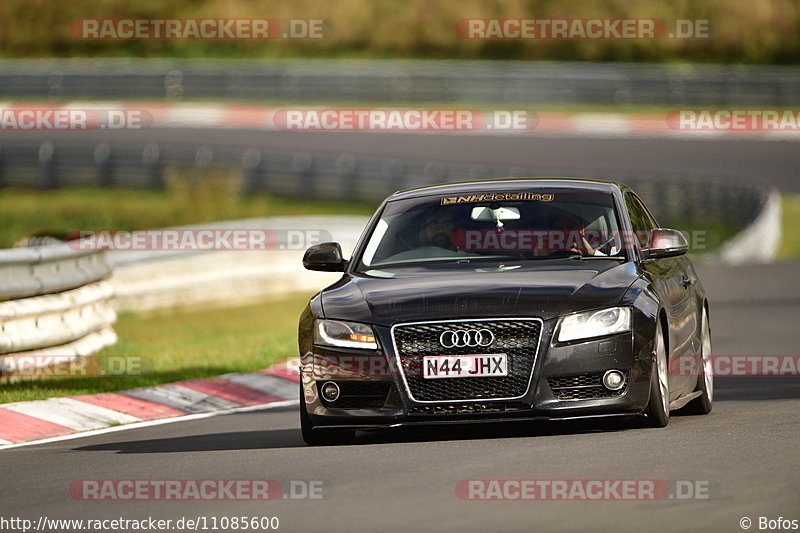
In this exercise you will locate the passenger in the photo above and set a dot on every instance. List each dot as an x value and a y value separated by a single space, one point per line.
571 230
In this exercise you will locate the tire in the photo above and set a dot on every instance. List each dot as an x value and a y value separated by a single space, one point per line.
705 380
320 438
657 411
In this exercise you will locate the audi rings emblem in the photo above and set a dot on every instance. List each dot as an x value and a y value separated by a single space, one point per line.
461 338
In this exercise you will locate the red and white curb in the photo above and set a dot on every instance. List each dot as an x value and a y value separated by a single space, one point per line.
255 117
43 420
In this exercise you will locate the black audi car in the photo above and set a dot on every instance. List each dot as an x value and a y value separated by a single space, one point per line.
504 299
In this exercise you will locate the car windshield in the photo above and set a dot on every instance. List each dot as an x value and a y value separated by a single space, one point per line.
519 225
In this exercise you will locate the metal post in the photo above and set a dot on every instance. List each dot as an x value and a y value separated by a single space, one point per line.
302 167
151 157
102 158
251 163
47 160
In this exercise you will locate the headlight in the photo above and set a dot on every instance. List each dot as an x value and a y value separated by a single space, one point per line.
344 334
594 324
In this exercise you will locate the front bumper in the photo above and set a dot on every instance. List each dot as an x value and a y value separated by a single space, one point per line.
562 385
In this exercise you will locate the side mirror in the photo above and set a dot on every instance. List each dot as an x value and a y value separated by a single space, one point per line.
325 256
665 243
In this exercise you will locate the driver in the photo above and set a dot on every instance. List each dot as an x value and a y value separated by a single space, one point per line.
438 228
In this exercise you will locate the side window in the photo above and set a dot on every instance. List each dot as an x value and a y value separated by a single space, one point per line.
641 220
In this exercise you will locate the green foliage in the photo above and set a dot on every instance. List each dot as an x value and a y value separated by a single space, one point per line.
790 227
190 198
763 31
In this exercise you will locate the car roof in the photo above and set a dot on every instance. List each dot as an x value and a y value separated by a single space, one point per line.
504 184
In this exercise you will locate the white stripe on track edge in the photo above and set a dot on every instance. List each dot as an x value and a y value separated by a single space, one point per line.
149 423
71 413
265 383
179 397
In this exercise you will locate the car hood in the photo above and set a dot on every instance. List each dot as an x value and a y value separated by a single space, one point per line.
468 291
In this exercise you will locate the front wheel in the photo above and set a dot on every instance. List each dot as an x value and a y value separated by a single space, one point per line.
705 381
657 411
320 438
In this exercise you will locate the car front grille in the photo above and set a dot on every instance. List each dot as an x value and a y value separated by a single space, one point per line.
583 387
517 338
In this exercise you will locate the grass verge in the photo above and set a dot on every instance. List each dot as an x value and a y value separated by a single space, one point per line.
790 227
186 199
181 346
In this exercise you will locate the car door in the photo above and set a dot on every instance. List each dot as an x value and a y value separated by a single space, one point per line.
667 275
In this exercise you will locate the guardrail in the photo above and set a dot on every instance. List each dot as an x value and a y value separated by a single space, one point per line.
60 305
26 272
511 82
153 279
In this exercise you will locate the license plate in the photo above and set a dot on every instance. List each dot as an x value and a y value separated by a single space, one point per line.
465 366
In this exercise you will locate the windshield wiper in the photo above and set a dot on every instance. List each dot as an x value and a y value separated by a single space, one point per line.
614 257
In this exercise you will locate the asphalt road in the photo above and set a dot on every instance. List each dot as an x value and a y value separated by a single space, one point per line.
746 449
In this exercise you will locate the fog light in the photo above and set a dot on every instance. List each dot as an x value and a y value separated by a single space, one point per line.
330 391
614 380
